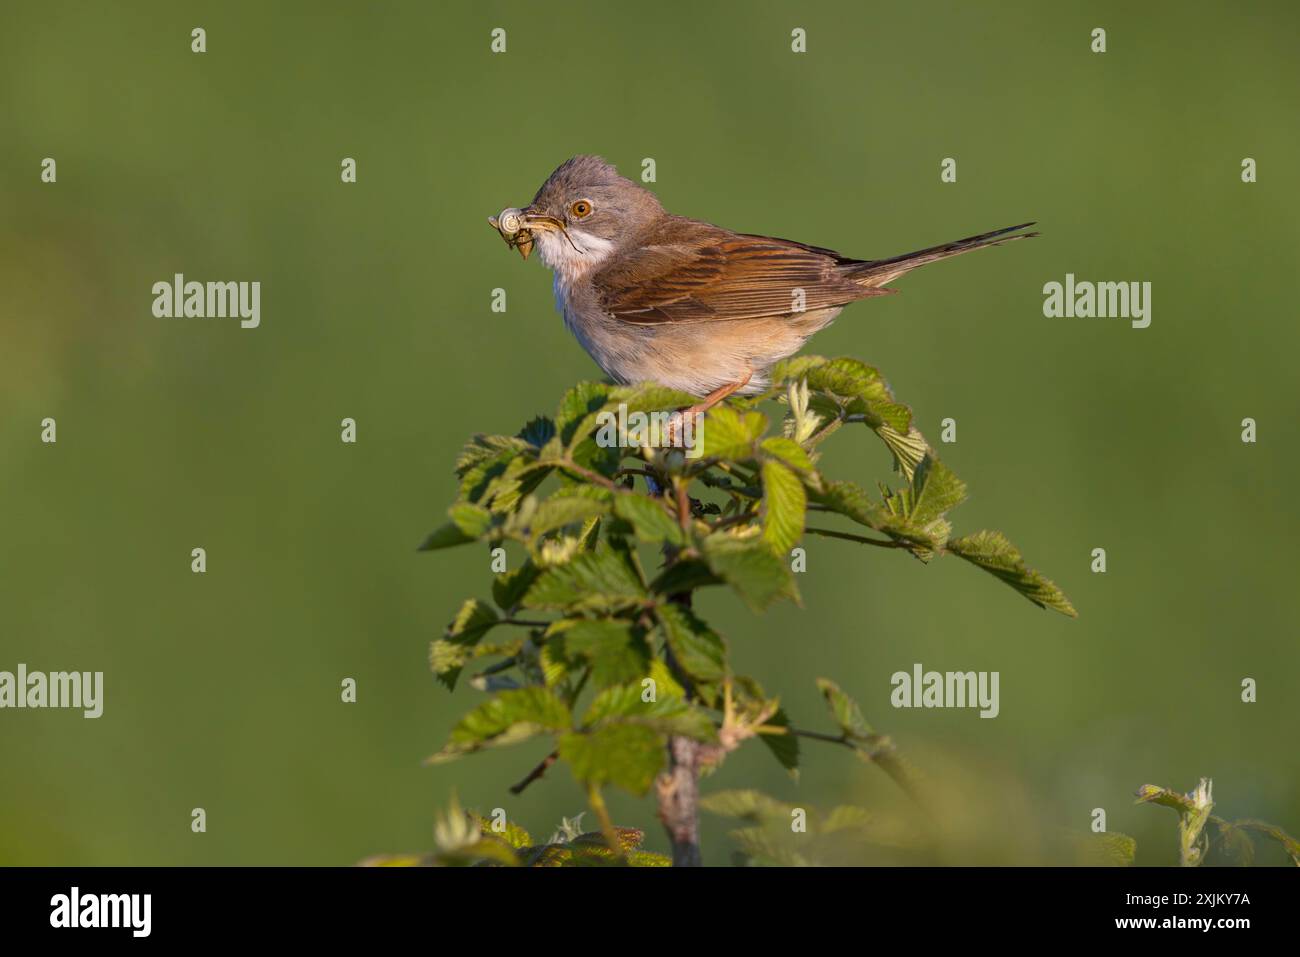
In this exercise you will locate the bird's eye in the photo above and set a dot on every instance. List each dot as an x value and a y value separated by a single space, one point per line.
580 209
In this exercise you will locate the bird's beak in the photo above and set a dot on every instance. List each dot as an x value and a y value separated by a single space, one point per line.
517 226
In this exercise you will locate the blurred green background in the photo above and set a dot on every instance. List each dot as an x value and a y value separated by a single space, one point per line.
222 690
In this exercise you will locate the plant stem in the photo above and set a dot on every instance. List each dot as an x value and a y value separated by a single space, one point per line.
597 801
861 539
679 795
536 772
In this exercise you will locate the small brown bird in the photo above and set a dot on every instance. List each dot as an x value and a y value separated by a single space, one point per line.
693 306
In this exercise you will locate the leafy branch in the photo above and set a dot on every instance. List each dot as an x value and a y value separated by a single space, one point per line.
1233 837
590 639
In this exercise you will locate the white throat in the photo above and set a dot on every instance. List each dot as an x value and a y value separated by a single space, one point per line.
569 264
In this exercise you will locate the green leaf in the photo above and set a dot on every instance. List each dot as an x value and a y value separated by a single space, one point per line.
788 451
933 492
513 834
750 567
730 434
625 755
746 805
598 580
1154 794
538 431
501 484
682 576
668 714
1289 843
648 518
697 648
568 506
509 587
794 369
616 651
844 710
864 388
649 397
510 717
919 509
484 448
468 523
1108 849
583 400
449 654
908 447
784 503
784 747
992 552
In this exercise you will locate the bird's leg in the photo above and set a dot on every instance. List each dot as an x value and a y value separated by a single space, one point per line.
708 402
717 395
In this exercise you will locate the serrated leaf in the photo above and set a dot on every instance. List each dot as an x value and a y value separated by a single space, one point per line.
992 552
616 651
649 397
667 713
1272 831
908 448
730 434
1153 794
509 587
844 710
509 717
468 523
482 448
568 506
866 391
795 368
746 805
598 580
784 503
649 520
538 431
788 451
784 747
626 755
448 654
583 400
749 566
683 576
512 834
934 491
1107 849
698 650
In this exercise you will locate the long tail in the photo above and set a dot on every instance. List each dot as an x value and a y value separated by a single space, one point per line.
877 272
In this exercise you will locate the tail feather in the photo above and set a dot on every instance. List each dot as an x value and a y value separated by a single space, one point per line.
877 272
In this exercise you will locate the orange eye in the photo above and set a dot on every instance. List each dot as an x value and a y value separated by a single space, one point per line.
580 209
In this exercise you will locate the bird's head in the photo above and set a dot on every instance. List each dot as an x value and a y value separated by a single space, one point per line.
583 213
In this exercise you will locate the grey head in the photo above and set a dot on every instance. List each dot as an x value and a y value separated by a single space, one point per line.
583 214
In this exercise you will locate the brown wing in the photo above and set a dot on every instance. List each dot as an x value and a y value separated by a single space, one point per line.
690 271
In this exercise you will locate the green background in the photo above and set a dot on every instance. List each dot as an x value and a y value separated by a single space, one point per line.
222 690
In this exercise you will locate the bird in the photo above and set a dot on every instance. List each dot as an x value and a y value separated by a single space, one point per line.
695 307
